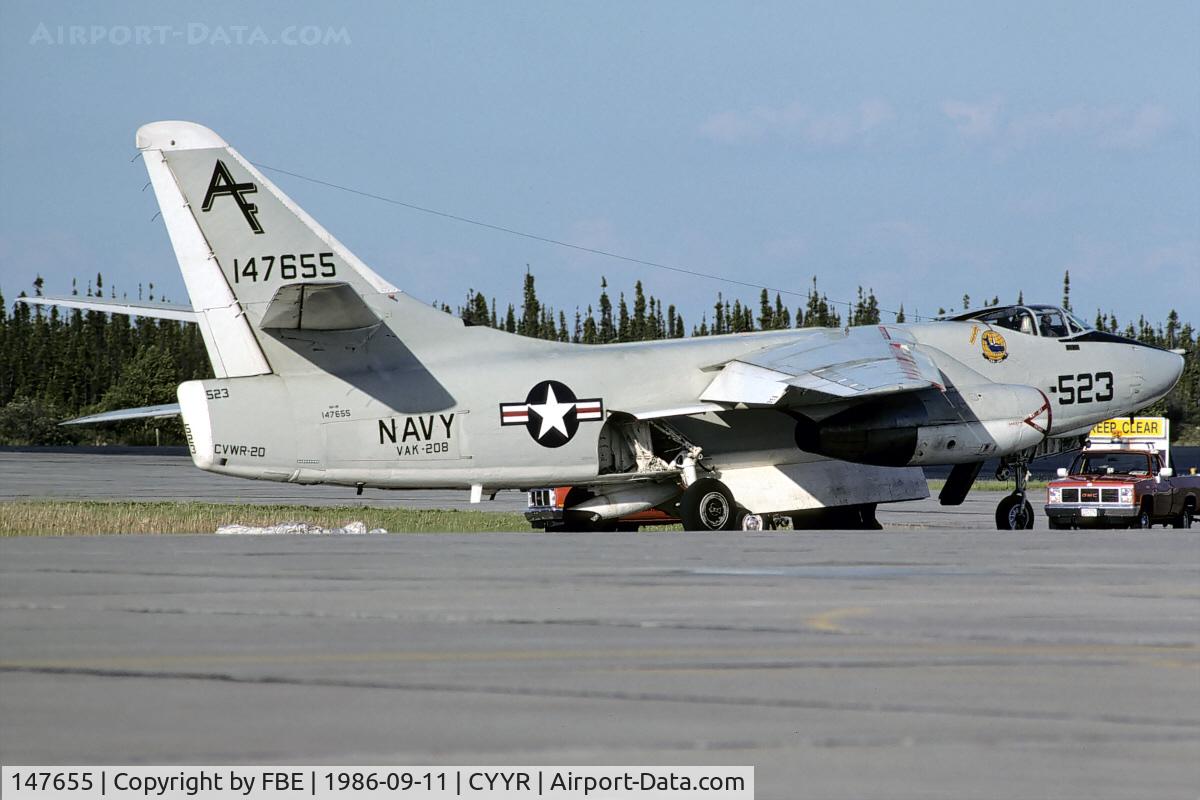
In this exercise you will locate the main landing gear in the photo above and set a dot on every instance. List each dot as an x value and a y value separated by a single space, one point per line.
1014 512
707 505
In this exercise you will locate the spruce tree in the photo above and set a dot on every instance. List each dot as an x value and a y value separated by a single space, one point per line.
607 331
530 308
590 333
638 324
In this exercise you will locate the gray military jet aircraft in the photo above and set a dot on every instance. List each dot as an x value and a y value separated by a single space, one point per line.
327 373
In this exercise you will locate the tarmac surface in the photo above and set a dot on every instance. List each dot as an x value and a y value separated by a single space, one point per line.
906 663
28 475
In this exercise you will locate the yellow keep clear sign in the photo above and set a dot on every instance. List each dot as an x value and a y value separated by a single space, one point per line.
1131 428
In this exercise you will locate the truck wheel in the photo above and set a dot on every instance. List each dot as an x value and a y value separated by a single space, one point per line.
707 505
1144 520
1184 520
1013 515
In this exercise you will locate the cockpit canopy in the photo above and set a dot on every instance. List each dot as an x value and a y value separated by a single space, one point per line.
1049 321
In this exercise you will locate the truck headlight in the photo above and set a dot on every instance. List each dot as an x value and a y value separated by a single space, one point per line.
1126 494
1055 495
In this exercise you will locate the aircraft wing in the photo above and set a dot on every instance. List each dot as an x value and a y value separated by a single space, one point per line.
862 363
145 412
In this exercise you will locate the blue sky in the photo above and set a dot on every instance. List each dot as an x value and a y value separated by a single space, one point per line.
926 150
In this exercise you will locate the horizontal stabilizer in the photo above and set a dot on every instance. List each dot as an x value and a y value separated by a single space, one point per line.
145 412
152 310
317 307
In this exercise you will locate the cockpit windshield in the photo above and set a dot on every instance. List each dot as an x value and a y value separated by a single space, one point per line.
1051 323
1075 324
1039 320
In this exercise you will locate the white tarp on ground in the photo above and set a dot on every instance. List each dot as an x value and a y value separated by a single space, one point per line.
298 529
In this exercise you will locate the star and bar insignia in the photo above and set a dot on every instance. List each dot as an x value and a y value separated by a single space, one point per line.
551 413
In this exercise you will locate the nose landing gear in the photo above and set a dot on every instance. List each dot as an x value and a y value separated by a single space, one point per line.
1014 513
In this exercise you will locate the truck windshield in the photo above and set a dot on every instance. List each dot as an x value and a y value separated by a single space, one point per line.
1115 463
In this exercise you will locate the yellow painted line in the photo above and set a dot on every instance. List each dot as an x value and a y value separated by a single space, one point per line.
827 621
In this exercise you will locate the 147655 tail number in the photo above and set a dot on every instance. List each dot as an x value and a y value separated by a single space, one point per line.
288 267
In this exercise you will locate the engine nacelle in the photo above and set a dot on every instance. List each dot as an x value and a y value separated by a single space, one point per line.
954 427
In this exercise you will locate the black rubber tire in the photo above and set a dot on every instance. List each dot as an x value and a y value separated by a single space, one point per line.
867 516
1143 519
707 505
1185 519
1009 517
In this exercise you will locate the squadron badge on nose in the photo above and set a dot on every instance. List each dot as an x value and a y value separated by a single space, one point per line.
551 413
995 349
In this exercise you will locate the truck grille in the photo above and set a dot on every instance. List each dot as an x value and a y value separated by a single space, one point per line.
1092 495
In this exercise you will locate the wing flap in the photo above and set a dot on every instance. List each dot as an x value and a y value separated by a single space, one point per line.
865 362
743 382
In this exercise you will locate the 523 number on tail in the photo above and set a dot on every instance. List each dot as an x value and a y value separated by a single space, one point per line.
287 267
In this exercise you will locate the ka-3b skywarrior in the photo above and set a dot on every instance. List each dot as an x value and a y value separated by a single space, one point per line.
328 373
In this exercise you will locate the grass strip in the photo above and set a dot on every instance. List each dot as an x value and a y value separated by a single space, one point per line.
83 517
989 485
93 518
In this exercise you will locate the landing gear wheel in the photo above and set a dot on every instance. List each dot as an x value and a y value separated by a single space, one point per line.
752 522
867 517
1014 514
707 505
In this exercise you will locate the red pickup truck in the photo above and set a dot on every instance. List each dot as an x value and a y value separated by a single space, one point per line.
1121 486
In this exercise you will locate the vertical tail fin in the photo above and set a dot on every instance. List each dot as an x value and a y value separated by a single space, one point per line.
255 263
231 345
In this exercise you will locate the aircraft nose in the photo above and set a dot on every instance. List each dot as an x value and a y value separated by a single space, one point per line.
1163 370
